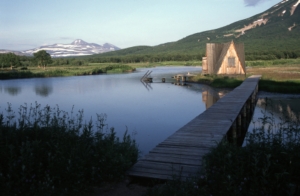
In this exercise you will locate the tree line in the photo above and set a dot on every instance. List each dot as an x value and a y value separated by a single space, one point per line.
42 58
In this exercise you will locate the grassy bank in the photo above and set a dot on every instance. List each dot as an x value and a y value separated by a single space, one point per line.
57 71
47 151
281 76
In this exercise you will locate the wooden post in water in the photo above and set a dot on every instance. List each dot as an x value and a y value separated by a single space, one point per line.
248 106
253 98
233 132
239 125
244 116
163 80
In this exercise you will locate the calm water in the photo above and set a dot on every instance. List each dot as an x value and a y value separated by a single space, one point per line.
152 112
280 107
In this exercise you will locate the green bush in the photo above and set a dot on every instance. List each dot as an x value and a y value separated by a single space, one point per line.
118 68
46 151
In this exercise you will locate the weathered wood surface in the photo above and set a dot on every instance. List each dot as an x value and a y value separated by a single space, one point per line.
181 153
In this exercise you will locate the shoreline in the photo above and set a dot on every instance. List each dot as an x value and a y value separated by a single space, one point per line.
274 95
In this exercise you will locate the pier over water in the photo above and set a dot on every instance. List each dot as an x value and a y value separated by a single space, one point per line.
182 152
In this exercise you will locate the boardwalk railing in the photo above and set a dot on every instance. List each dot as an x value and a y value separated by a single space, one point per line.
181 153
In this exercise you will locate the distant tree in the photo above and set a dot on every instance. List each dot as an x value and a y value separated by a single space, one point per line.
2 60
42 58
9 59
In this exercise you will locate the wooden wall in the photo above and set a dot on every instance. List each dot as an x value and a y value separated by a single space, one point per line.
225 68
217 58
213 52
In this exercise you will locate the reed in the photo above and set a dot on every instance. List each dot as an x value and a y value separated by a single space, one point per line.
47 151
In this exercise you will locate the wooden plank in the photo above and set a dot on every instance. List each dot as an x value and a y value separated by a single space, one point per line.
168 159
164 168
186 151
182 171
207 144
159 176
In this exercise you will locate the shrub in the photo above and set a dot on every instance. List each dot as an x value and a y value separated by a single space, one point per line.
46 151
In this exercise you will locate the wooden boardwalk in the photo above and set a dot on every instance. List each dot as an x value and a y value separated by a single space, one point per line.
182 152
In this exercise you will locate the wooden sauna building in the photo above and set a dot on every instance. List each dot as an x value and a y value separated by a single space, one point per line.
224 58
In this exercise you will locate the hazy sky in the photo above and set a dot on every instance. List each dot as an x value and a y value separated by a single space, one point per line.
26 24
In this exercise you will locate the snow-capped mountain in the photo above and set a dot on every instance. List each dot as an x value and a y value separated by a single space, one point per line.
77 48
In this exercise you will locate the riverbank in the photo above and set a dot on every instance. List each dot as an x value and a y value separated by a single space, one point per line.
282 76
276 78
64 71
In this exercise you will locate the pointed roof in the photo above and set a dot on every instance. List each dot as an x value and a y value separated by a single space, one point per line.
239 53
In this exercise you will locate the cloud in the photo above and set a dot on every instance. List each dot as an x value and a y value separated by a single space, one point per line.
253 2
66 38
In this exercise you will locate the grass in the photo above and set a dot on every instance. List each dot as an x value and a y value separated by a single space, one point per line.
270 63
219 81
267 165
55 71
47 151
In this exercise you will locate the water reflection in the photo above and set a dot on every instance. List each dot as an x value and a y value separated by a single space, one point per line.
273 112
13 90
288 108
43 90
147 85
211 96
180 84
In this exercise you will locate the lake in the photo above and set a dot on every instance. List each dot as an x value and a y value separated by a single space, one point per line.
150 111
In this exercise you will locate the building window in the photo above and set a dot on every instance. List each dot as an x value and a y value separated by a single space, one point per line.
231 61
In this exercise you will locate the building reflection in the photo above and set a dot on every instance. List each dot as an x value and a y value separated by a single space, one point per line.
211 96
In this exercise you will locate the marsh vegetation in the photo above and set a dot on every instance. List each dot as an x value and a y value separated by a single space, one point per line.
281 76
48 151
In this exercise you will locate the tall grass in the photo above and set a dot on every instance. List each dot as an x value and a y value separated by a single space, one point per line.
276 62
279 86
219 81
47 151
269 164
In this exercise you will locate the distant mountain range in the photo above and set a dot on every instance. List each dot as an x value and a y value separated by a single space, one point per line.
276 29
77 48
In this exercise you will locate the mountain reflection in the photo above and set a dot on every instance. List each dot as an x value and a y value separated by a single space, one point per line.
12 90
43 90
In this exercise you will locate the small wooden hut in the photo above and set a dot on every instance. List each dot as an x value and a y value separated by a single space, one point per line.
227 58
